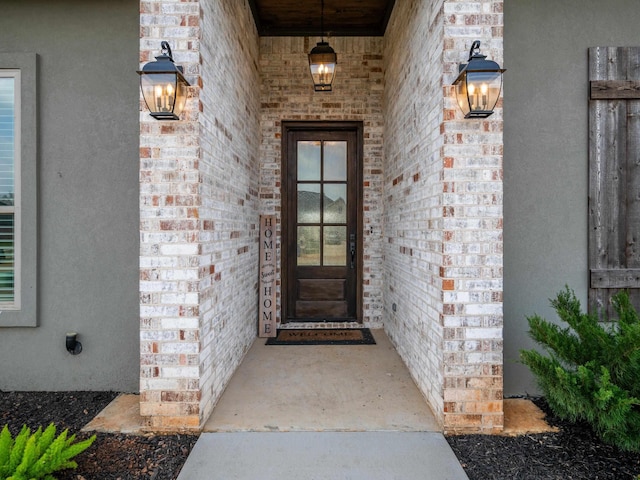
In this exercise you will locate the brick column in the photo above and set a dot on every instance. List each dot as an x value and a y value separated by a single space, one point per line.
471 271
169 231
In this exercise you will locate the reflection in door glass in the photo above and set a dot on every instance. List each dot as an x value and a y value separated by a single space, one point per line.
308 245
308 203
335 246
335 161
309 161
335 203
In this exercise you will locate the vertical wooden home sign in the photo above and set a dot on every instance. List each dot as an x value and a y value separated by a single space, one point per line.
267 281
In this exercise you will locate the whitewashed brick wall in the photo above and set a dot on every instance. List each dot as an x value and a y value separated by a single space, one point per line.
413 195
199 211
443 212
229 175
287 94
169 226
472 160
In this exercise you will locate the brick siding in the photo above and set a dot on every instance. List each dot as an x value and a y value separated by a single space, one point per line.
199 212
443 212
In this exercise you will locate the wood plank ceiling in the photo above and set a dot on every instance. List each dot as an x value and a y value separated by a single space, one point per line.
301 18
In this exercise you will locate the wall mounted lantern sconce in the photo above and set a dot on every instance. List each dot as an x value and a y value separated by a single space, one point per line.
74 347
478 84
322 61
163 86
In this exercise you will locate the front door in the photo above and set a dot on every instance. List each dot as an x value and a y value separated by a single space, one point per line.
321 199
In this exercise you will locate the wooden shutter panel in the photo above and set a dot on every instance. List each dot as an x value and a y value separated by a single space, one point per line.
614 174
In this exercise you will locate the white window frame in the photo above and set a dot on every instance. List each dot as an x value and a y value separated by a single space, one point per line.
15 209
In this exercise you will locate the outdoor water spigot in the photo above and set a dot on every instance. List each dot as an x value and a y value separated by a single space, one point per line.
74 347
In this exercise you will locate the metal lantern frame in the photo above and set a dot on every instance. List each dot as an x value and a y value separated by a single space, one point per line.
478 84
322 61
163 86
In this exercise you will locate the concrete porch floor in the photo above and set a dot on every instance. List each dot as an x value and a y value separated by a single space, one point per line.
322 388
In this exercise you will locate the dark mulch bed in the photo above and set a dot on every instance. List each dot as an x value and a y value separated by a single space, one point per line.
112 456
572 453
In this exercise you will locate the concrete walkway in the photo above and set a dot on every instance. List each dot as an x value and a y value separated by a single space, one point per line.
322 455
322 412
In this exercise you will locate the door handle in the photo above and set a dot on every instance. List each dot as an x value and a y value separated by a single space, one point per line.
352 249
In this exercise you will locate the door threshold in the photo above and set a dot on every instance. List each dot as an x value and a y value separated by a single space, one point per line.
319 325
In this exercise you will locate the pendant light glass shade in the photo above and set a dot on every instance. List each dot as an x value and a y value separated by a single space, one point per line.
322 63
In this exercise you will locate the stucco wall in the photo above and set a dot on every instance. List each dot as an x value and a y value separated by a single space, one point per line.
546 155
88 195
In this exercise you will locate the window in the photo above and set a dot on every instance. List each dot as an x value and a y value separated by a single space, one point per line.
18 190
9 190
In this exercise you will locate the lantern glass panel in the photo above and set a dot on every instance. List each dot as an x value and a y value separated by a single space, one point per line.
478 92
163 93
181 97
322 74
323 67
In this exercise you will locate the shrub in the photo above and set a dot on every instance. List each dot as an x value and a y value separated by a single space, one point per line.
592 369
38 455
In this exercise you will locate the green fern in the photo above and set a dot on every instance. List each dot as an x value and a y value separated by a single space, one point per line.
591 371
6 442
36 456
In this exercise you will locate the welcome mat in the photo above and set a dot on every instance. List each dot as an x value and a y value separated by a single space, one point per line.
323 336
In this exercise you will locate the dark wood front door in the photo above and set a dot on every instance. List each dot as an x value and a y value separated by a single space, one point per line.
321 187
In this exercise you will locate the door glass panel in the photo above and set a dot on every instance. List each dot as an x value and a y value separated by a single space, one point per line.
335 161
322 195
335 203
335 246
309 161
309 203
308 245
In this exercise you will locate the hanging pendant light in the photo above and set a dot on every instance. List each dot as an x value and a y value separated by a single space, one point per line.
322 61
